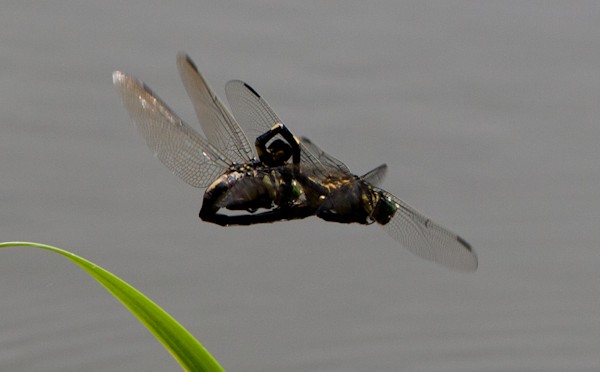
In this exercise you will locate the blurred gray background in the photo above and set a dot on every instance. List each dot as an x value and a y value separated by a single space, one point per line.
486 113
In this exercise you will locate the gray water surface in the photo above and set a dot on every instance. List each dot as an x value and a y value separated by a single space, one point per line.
486 112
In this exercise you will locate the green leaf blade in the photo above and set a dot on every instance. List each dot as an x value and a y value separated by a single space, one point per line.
190 354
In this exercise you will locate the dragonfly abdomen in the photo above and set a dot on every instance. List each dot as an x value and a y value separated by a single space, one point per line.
251 188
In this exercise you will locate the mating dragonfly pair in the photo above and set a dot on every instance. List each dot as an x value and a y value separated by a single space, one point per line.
281 177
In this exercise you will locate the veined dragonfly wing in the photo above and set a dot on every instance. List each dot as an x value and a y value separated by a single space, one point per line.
375 176
323 157
427 239
185 152
219 126
250 109
256 116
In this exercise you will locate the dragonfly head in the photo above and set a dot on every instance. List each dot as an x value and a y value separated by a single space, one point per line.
384 210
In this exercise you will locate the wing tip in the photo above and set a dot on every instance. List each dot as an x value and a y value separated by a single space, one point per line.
474 262
464 243
252 90
119 78
184 59
126 83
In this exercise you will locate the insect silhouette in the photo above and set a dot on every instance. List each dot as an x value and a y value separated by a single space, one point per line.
281 177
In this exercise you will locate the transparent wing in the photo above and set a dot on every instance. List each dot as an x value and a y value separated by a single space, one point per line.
427 239
323 157
257 117
176 144
253 112
219 126
375 176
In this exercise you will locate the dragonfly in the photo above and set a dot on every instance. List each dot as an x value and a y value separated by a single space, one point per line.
280 176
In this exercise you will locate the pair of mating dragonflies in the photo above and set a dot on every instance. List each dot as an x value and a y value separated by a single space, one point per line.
281 177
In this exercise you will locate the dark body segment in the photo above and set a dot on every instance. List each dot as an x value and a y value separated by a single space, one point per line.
253 187
286 195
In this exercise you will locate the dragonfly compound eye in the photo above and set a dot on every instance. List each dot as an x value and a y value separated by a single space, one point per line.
384 210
